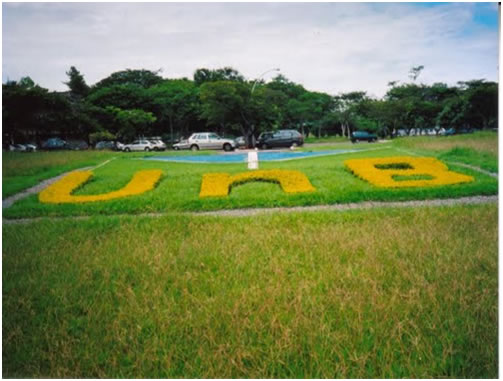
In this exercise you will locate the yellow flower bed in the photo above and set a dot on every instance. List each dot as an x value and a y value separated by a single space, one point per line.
60 191
219 184
428 166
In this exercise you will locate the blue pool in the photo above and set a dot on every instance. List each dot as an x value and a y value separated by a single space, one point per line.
243 157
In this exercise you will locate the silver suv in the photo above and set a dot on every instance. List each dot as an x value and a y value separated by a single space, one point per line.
158 144
138 145
206 140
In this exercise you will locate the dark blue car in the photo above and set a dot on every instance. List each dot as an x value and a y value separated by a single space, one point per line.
54 143
358 136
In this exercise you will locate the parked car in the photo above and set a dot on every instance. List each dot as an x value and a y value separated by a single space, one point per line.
77 145
466 131
401 132
138 145
358 136
240 142
17 148
113 145
280 138
448 132
205 140
54 143
158 145
30 147
182 144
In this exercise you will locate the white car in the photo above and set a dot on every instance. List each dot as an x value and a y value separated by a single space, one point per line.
30 147
158 145
206 140
17 147
138 145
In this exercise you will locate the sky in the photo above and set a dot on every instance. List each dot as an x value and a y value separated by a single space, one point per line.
328 47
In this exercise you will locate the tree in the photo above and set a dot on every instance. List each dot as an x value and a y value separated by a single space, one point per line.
348 106
102 135
142 78
482 100
231 104
30 111
204 75
175 102
415 71
76 83
131 123
125 96
453 113
223 102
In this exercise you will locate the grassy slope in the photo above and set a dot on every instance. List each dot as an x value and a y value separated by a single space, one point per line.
179 188
479 149
362 294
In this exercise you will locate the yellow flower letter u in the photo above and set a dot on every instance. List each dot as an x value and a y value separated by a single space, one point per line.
219 184
60 191
405 171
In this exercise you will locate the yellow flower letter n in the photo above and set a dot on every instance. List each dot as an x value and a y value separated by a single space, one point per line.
219 184
60 191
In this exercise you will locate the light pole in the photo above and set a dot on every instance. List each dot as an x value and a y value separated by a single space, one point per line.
251 93
260 76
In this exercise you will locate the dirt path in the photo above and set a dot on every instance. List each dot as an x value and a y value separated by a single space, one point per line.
258 211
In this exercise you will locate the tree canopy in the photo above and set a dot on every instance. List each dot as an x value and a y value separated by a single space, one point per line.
130 103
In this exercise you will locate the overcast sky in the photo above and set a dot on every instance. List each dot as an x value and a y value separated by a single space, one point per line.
330 47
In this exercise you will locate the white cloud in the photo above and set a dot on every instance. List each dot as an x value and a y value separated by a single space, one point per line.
326 47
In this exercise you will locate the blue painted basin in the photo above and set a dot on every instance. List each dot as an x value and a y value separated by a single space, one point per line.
243 157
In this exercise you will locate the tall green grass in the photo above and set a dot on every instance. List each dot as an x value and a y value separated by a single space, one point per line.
362 294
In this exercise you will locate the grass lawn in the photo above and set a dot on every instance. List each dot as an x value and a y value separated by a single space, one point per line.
179 188
362 294
328 139
382 293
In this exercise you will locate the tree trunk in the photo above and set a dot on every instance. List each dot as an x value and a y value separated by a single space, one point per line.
171 128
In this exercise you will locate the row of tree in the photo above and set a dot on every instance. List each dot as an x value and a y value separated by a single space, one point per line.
132 103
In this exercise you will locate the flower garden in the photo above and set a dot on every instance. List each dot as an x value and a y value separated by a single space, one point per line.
60 191
388 172
219 184
381 172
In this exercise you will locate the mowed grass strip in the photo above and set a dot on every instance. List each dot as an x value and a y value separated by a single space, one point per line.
362 294
179 188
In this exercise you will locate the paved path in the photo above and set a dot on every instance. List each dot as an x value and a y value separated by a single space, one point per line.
258 211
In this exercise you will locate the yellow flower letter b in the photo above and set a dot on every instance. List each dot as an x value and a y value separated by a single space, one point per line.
405 171
219 184
60 191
